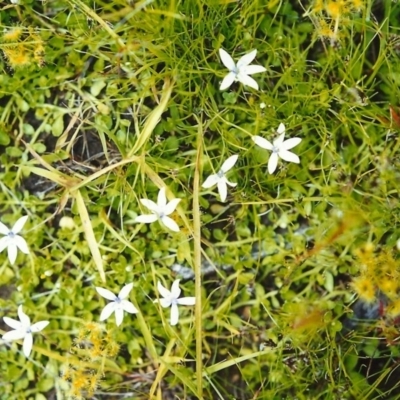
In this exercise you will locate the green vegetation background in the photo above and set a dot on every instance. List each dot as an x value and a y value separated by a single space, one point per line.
103 102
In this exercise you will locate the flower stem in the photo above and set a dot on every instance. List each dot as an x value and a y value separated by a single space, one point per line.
197 265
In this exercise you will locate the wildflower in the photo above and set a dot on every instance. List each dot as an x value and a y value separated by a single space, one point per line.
17 56
23 330
240 71
394 309
334 9
365 288
388 286
160 211
12 240
279 148
220 179
170 299
13 34
118 303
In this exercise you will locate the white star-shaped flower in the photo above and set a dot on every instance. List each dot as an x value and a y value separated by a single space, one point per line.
23 330
220 179
240 71
171 299
12 240
279 148
118 304
160 211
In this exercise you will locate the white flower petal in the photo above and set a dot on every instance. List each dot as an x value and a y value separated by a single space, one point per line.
12 252
107 311
279 140
264 143
146 219
211 181
20 242
4 243
222 190
170 224
165 303
39 326
272 163
227 81
163 290
227 60
187 301
124 292
248 81
281 128
174 314
129 307
229 163
150 205
19 224
12 323
170 207
290 143
107 294
161 198
28 343
14 335
175 289
3 229
119 315
25 320
233 184
252 69
289 156
246 59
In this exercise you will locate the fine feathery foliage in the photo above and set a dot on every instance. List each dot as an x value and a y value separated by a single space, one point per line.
199 199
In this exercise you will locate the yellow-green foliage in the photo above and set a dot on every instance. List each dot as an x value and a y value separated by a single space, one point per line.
104 102
22 47
332 17
378 271
91 345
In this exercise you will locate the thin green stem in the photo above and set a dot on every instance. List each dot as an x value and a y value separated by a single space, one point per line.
197 264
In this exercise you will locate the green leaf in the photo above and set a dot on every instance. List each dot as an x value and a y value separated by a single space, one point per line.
4 138
45 385
58 126
97 87
13 151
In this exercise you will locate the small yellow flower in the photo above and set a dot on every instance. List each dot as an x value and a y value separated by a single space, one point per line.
13 34
318 6
357 5
388 286
17 56
334 9
394 309
324 30
365 288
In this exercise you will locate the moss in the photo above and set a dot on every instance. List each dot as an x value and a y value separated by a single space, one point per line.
297 272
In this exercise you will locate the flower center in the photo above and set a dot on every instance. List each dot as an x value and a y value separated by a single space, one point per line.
220 173
275 149
11 235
